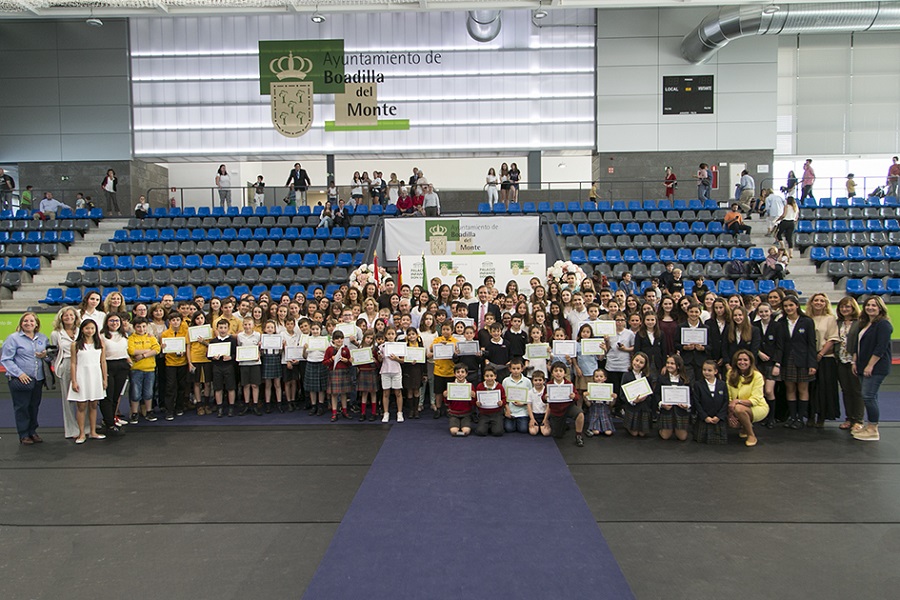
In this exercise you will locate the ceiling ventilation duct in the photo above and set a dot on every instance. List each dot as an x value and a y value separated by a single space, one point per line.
483 25
727 24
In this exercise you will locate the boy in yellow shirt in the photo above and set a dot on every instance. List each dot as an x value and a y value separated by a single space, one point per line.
142 348
176 368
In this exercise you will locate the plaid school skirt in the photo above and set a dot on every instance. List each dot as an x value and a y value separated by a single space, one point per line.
600 417
366 380
676 418
340 381
271 366
315 377
711 433
636 419
792 374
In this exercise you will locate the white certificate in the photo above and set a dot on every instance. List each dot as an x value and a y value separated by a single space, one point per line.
318 343
603 328
199 332
362 356
464 321
394 348
248 353
218 349
600 392
468 348
293 353
173 345
489 398
693 335
676 395
593 346
559 392
414 354
271 341
637 388
565 348
459 391
348 329
517 394
443 351
537 351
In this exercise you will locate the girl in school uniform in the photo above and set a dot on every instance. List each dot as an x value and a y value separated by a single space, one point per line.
584 364
638 415
536 336
795 359
290 373
413 374
673 419
667 318
765 324
337 361
694 355
618 351
391 378
315 377
600 416
367 379
745 394
200 368
251 370
271 368
740 335
718 325
649 340
710 399
88 383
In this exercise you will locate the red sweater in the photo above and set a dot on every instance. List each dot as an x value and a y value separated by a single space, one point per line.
332 364
459 408
489 411
558 409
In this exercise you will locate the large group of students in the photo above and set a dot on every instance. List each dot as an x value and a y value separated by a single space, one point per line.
492 361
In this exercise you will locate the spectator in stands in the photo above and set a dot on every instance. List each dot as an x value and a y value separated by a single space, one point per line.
851 186
7 185
774 206
514 176
108 185
49 207
670 182
748 191
771 269
326 219
734 220
259 191
223 182
431 202
809 178
627 284
893 178
786 223
297 181
791 184
25 198
491 186
405 203
142 208
340 217
703 182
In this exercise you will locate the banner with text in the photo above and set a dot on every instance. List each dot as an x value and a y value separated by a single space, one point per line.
502 267
462 235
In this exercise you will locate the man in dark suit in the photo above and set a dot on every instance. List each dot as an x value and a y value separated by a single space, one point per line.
298 181
477 310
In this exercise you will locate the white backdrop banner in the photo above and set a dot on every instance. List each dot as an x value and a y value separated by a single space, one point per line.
502 267
441 236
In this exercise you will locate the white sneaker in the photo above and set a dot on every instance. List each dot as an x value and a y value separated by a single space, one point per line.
386 417
400 418
867 435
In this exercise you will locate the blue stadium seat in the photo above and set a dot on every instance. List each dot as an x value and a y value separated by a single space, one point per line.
242 261
391 210
484 208
584 229
631 256
893 286
291 233
648 255
842 202
595 257
203 211
682 228
684 255
892 252
166 290
720 255
559 207
715 228
747 287
826 203
613 256
107 263
765 286
124 263
823 226
259 261
616 229
311 260
376 209
130 294
499 208
695 204
72 296
856 225
189 211
787 284
567 229
259 212
166 235
664 205
604 205
578 257
818 254
261 234
277 260
226 261
698 227
358 259
176 261
31 264
192 261
514 208
258 290
276 233
804 226
67 237
840 225
810 203
667 255
666 228
278 290
588 206
222 291
601 229
619 205
338 233
327 260
184 293
91 263
322 233
198 235
151 235
632 228
702 255
874 225
14 264
296 288
294 261
33 237
174 212
573 207
120 235
141 263
892 225
875 286
148 295
528 208
649 228
232 212
738 254
874 253
366 232
344 259
240 290
726 287
679 205
307 233
649 205
855 253
182 235
205 292
209 262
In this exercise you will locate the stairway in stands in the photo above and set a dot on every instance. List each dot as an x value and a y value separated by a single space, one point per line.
803 272
28 295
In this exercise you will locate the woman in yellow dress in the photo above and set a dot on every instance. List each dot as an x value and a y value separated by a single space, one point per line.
745 394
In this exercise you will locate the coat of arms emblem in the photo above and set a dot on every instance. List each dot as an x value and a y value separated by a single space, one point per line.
292 101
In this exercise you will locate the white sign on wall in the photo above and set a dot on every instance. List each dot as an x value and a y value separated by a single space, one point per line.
502 267
438 236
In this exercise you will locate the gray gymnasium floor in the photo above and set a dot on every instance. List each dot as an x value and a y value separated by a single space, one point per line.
249 511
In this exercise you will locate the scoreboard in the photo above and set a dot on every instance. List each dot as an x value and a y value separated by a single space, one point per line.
691 95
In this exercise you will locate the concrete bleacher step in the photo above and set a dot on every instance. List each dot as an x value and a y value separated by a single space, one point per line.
31 292
802 271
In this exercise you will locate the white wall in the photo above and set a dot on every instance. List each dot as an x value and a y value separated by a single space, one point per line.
636 48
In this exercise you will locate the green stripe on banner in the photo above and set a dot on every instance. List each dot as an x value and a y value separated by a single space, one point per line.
386 125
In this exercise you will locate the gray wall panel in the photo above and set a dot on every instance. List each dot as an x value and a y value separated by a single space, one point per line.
32 147
36 91
29 63
92 91
93 119
92 63
23 35
25 120
95 146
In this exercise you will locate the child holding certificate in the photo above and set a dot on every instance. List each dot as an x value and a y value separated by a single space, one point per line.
271 366
290 370
710 397
600 416
200 368
143 349
459 410
536 339
414 372
366 379
559 411
537 408
516 387
337 361
223 366
673 418
391 377
496 352
315 377
490 416
473 362
443 367
638 411
251 374
585 364
567 361
176 367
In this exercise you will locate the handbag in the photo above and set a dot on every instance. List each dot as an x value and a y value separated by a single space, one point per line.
15 385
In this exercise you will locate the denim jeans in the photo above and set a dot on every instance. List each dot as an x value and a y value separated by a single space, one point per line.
511 425
142 385
26 401
870 387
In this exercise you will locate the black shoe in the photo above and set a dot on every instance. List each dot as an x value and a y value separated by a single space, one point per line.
320 410
436 414
268 408
797 424
219 412
292 406
281 407
579 441
371 417
789 424
114 431
362 417
770 423
312 411
244 410
334 417
230 411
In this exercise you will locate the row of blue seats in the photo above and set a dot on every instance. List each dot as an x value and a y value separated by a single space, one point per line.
840 225
725 287
185 293
848 202
37 237
601 206
666 255
633 228
858 287
243 234
820 255
17 264
225 261
24 214
268 211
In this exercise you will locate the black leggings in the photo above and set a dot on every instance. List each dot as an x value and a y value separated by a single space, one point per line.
117 373
786 232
